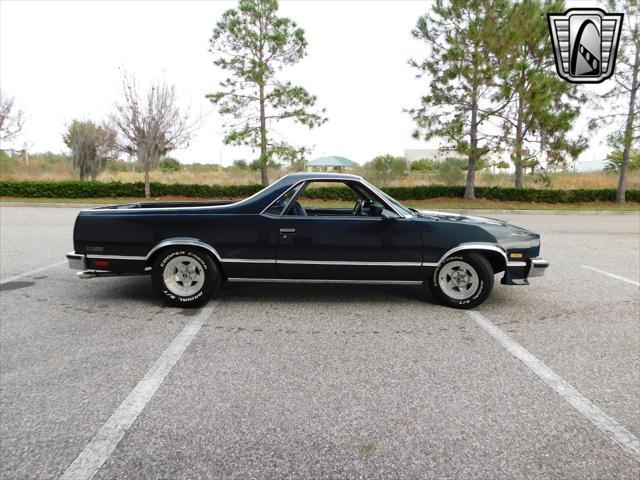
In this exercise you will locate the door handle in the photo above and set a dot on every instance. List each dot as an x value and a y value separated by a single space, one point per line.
287 230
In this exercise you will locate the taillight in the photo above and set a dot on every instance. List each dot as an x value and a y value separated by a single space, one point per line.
101 263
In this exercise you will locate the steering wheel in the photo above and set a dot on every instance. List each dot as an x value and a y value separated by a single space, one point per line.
298 210
357 208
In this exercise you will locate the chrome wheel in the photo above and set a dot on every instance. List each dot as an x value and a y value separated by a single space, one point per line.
184 275
458 280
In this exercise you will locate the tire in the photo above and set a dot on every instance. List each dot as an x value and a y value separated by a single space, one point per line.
466 289
199 280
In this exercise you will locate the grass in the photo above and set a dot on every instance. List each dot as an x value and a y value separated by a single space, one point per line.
49 166
434 203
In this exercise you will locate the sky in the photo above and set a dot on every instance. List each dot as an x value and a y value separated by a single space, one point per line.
64 60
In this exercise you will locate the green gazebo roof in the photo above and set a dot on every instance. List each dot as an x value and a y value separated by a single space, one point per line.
332 161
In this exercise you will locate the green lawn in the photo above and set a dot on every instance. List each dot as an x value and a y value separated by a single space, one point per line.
434 203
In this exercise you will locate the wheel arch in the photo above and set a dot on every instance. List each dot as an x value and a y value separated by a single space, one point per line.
495 255
186 242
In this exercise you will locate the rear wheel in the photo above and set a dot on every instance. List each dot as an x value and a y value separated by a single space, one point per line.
185 277
463 281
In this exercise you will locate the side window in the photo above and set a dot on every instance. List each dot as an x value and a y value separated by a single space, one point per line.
333 198
279 205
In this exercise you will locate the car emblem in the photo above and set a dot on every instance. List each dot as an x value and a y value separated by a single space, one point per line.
585 43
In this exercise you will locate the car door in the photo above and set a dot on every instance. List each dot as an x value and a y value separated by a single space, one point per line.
339 247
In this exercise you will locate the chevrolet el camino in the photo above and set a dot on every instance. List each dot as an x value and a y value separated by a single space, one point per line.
279 235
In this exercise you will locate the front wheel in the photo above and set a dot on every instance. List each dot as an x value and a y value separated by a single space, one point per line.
463 281
185 277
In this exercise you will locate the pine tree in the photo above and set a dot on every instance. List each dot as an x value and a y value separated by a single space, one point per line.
253 44
462 68
621 101
541 107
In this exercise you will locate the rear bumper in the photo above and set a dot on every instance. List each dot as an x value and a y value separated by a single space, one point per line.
77 261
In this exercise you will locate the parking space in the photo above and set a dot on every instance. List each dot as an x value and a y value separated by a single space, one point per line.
336 381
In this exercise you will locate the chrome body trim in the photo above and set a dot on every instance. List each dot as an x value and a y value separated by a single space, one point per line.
538 267
87 274
306 280
516 264
339 262
117 257
474 246
247 260
182 241
144 258
77 261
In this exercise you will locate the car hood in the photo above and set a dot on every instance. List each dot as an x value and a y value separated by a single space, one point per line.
509 236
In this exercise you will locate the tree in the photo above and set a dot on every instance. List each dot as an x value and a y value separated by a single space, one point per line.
615 159
91 146
462 68
11 119
253 44
621 102
152 125
540 107
387 168
240 164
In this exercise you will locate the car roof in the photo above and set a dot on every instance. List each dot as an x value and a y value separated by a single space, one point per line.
296 177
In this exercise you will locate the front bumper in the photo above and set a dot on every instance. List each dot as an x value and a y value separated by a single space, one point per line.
77 261
518 273
537 267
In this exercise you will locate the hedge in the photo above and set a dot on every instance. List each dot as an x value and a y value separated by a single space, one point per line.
78 189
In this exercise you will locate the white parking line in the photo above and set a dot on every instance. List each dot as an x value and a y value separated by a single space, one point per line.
30 272
105 441
616 432
617 277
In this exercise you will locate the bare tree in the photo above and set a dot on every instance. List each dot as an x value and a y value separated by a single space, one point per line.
91 146
11 119
151 125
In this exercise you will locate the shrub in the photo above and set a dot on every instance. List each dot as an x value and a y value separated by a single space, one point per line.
384 169
77 189
423 165
169 164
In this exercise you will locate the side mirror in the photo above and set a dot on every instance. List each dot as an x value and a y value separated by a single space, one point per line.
376 211
387 215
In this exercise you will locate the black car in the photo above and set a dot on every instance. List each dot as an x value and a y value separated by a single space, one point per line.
279 235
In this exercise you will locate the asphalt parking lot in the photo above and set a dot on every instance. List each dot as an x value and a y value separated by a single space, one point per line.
309 381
